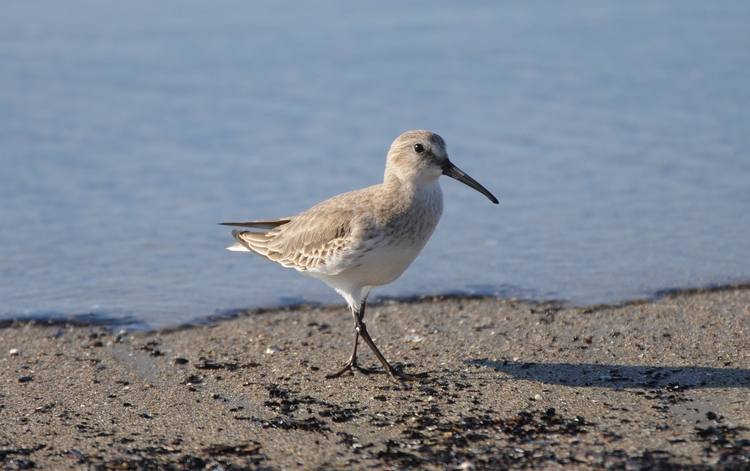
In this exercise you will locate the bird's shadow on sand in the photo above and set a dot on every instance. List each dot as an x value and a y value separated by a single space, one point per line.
620 376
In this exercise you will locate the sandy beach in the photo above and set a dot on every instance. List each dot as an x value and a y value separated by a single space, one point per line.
646 385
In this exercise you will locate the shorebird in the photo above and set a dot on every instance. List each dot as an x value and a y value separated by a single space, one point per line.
364 238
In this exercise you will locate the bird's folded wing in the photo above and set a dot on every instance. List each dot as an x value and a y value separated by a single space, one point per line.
267 224
308 243
329 237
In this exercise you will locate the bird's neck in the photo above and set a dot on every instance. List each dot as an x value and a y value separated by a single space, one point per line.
416 195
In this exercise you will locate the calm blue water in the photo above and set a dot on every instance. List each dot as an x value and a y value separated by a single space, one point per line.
616 135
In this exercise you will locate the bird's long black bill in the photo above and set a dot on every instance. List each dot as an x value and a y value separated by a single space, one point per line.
455 172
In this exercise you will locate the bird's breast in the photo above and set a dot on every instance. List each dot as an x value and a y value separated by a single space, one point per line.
387 248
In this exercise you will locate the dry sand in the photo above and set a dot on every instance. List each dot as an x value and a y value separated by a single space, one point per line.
662 384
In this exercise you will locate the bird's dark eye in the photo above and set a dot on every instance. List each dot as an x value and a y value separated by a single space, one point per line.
419 148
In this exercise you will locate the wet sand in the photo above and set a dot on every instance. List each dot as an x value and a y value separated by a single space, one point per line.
662 384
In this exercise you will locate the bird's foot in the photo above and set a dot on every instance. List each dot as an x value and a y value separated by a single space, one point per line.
352 366
398 375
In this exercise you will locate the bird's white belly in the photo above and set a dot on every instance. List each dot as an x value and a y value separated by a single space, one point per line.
377 267
382 266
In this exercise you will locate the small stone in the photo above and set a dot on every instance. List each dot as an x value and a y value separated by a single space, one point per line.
13 351
612 461
193 379
272 349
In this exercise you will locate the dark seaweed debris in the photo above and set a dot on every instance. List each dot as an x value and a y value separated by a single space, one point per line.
244 456
724 440
184 462
209 364
474 440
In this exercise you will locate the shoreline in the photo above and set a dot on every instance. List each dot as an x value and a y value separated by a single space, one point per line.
127 323
660 383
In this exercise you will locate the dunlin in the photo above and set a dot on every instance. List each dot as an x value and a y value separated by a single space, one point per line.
365 238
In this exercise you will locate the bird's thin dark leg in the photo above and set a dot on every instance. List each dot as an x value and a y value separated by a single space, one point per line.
352 365
361 330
